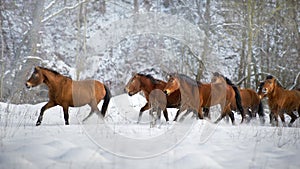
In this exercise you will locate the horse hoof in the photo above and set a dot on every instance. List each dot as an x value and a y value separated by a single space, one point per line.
38 123
66 123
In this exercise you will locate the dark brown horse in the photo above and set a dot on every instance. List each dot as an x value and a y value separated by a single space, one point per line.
146 84
251 102
280 100
67 93
197 95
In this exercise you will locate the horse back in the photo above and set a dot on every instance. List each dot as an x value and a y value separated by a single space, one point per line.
87 91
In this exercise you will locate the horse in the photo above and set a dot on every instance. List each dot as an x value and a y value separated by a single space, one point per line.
65 92
251 102
236 102
158 102
196 95
281 100
147 83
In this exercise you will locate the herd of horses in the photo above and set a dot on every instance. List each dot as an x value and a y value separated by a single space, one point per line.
180 91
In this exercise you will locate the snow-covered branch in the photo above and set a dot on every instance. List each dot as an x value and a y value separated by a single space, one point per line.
295 81
239 82
49 6
62 10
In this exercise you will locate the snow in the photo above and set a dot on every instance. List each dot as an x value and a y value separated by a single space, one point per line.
119 142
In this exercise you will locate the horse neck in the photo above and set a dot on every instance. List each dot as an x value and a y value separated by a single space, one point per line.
51 79
146 85
276 93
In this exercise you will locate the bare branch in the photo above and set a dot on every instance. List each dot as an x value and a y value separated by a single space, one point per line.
49 6
62 10
295 81
239 82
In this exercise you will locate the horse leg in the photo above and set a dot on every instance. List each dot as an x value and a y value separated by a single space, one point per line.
200 114
146 107
293 118
66 114
231 115
206 112
158 116
281 115
44 108
166 114
88 116
177 114
188 111
94 108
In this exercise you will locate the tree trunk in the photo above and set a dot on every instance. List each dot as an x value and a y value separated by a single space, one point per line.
249 54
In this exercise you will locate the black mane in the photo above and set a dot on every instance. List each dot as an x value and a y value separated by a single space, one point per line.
277 82
148 76
50 70
54 72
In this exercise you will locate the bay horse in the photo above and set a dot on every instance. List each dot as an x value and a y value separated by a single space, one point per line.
251 102
67 93
146 84
196 95
281 100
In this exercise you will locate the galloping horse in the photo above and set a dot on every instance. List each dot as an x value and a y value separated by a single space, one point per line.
281 100
197 95
67 93
251 102
146 84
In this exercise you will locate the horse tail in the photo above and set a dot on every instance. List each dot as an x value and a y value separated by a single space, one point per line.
238 100
106 100
238 97
260 111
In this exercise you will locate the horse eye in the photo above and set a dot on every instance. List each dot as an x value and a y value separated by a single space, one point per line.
35 76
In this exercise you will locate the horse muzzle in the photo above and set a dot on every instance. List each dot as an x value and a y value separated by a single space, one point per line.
167 92
264 91
28 85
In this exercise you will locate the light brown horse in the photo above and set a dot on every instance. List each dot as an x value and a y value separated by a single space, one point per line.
280 100
158 103
146 84
251 102
67 93
197 95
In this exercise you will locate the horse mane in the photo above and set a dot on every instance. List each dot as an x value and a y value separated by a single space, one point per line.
228 81
186 79
260 86
50 70
277 82
152 79
53 71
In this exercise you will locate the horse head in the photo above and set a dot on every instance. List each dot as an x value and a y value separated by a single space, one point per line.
134 85
172 85
36 78
269 85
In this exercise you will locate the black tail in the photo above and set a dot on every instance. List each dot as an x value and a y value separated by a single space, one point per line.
260 111
238 98
106 100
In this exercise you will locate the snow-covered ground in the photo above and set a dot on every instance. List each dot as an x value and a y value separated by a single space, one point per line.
119 142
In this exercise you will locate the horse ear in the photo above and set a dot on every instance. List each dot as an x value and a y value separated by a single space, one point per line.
37 68
133 73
